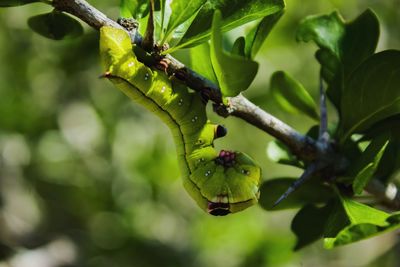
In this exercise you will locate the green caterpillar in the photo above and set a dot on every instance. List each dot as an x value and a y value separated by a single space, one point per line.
220 183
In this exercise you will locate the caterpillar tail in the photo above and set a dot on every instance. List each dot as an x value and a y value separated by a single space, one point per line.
220 182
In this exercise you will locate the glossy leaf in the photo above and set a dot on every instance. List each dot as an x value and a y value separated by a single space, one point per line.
234 13
292 96
126 8
162 18
350 43
56 26
394 218
182 10
256 37
372 93
325 30
234 73
201 62
360 41
362 222
309 223
239 46
279 153
136 9
368 163
390 161
310 192
10 3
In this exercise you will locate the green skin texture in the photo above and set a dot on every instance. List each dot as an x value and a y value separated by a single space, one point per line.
207 182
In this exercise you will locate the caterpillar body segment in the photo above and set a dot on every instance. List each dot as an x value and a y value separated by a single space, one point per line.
220 182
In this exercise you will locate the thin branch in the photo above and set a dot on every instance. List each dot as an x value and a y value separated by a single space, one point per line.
148 40
193 80
86 13
323 127
302 146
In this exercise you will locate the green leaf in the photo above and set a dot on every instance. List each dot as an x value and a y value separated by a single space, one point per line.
337 220
372 93
239 46
394 218
350 43
359 213
279 153
309 223
234 12
126 8
136 9
360 41
234 73
389 126
256 37
162 17
201 61
362 222
390 161
310 192
55 25
364 176
10 3
366 166
182 10
291 95
326 31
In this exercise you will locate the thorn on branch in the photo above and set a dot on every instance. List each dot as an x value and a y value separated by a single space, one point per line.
323 127
307 174
148 40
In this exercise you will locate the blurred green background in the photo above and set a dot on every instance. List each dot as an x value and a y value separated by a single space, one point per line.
88 178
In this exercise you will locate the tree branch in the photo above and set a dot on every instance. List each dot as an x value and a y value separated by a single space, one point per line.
86 13
304 147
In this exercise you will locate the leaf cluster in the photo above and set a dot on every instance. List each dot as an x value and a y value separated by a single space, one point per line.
363 87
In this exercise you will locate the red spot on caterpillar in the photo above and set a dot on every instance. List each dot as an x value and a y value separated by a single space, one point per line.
226 158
